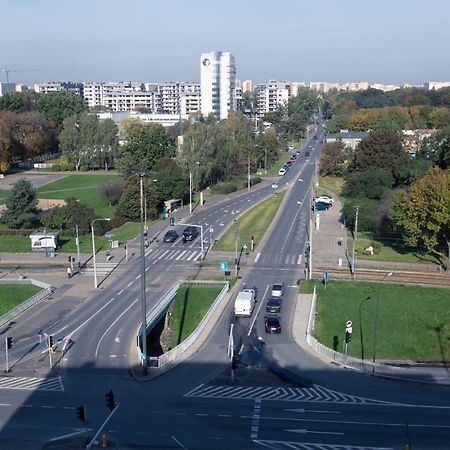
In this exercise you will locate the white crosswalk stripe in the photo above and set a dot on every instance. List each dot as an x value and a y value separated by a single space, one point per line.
32 384
311 394
286 445
174 255
102 269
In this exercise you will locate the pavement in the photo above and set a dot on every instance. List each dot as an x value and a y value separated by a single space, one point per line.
326 250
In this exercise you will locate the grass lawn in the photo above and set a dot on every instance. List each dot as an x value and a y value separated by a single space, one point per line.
253 223
190 306
86 188
332 184
12 295
413 321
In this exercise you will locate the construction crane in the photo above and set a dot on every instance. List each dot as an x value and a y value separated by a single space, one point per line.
8 71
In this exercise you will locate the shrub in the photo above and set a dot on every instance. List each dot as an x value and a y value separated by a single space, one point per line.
84 168
56 167
224 188
255 180
116 222
377 246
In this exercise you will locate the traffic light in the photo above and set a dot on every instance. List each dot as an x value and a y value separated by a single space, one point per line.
50 341
110 403
9 342
348 337
81 413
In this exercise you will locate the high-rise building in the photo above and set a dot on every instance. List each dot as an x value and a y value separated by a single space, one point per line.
217 82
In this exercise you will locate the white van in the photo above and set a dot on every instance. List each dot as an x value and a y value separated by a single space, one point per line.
244 303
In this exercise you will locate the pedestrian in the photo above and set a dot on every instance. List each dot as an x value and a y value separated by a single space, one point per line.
69 272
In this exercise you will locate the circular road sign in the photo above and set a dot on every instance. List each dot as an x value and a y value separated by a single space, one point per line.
348 324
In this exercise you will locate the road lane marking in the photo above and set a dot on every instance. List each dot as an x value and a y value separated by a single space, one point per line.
257 312
181 255
255 419
129 284
299 260
120 292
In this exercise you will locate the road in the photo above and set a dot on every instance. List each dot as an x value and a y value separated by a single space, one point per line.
282 397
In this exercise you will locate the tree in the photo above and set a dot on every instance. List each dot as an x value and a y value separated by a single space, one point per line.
145 143
57 106
372 183
171 180
267 148
423 214
332 158
19 101
382 148
112 192
21 206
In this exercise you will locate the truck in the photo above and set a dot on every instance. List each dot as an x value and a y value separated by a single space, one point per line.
244 303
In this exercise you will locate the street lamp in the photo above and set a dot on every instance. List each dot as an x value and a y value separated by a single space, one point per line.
107 219
191 188
235 246
143 297
375 329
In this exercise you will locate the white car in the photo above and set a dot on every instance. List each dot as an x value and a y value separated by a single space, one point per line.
324 199
277 289
291 147
274 185
282 171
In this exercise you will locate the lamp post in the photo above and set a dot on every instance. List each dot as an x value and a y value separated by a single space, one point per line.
107 219
143 297
248 172
375 329
191 188
235 247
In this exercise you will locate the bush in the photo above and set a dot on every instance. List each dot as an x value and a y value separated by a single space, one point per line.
66 167
56 167
116 222
224 188
377 246
255 180
84 168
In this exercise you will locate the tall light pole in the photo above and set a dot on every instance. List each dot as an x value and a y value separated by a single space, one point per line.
191 188
375 328
248 172
235 247
143 298
355 234
93 248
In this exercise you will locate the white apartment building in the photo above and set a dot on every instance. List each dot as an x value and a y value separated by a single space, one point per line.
270 95
385 87
190 102
170 93
58 86
166 120
218 82
436 85
247 86
129 100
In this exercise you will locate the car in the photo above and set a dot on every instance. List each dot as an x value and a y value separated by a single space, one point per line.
324 199
273 304
294 155
170 236
272 324
277 289
275 185
291 147
190 233
315 138
250 288
289 163
319 206
286 167
306 154
282 171
297 152
291 159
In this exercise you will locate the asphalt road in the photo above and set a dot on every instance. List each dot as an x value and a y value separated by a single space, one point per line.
282 396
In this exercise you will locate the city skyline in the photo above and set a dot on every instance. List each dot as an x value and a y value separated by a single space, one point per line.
150 42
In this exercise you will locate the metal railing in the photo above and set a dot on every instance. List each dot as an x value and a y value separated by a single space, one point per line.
27 303
174 353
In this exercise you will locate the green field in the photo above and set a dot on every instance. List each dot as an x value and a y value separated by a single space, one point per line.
12 295
190 306
413 321
86 188
253 223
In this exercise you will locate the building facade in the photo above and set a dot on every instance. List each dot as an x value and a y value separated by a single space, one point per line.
271 95
218 84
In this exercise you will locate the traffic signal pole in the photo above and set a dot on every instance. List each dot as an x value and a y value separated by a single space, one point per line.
103 426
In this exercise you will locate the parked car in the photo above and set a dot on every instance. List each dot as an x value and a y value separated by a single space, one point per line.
277 289
190 233
297 152
282 171
294 155
291 159
291 147
170 236
324 199
273 304
272 324
289 163
321 206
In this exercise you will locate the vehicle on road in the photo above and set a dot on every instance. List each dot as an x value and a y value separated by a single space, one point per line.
306 153
321 206
282 171
273 304
190 233
324 199
243 305
272 324
274 185
250 288
297 152
291 147
277 289
170 236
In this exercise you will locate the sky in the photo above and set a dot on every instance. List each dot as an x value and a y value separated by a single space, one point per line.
386 41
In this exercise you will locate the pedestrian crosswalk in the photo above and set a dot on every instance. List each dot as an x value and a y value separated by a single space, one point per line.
32 384
177 254
102 268
285 445
314 393
290 259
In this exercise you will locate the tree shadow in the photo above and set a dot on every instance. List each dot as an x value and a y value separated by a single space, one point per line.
438 329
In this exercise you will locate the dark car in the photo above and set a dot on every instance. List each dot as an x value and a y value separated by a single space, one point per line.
273 305
319 206
289 163
190 233
306 153
170 236
272 324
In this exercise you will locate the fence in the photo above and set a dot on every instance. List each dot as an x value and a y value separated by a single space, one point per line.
174 353
47 290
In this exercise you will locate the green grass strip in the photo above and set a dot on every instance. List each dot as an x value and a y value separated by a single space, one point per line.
12 295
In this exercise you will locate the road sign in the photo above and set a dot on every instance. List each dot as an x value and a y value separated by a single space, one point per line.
143 356
348 324
325 276
224 266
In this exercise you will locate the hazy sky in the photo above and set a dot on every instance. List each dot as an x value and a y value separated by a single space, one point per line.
389 41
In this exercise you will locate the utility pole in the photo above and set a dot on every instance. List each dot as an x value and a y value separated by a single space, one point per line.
190 191
355 232
235 247
248 172
77 242
143 298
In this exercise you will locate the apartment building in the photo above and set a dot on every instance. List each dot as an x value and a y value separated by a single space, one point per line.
217 84
170 94
58 86
270 95
435 85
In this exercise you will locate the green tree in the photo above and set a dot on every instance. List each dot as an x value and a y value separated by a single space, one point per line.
371 183
19 101
57 106
423 214
171 180
332 157
267 148
21 206
145 143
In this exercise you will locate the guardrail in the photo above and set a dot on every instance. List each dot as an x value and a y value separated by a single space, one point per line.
27 303
160 361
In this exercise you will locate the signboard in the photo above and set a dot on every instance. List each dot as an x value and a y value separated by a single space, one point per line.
224 266
44 241
349 326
